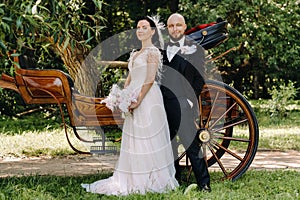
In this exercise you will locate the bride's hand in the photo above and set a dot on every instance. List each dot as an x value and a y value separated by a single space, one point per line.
133 106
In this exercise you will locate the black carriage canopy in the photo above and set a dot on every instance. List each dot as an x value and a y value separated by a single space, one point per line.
209 35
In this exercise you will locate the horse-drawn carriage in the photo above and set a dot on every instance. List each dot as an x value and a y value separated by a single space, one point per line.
227 126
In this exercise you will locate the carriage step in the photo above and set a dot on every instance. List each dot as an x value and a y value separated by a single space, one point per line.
97 139
106 139
103 149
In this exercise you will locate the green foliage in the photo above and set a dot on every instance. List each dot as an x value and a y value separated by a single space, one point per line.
282 97
26 22
34 29
262 111
30 118
121 15
111 76
37 26
11 103
266 35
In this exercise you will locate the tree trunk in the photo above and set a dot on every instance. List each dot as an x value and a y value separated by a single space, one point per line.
85 77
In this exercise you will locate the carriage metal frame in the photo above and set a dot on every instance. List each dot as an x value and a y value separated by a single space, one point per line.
227 125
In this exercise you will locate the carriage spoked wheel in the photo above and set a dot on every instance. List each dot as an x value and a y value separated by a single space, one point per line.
227 129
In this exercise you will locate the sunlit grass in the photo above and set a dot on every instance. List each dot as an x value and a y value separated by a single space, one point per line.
266 120
280 139
276 138
45 143
43 139
51 143
255 184
54 142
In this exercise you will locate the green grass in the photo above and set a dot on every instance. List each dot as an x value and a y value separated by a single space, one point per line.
40 120
266 120
278 133
54 142
262 185
33 143
275 134
280 139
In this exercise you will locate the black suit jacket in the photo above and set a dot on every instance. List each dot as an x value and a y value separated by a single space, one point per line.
183 77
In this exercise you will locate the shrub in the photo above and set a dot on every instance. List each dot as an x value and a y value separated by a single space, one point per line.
282 96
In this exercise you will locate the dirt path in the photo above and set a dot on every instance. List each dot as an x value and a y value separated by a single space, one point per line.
63 166
83 165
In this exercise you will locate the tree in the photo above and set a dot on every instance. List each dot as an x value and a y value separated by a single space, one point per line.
68 30
65 28
266 34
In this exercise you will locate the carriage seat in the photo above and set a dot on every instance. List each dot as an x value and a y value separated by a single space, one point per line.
27 62
42 86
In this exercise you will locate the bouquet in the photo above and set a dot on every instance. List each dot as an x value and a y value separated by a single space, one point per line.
120 98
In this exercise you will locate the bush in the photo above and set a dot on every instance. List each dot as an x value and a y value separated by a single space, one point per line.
282 96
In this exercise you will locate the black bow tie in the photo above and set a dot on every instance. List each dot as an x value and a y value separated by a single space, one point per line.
171 44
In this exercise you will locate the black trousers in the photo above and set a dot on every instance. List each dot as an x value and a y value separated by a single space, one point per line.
181 123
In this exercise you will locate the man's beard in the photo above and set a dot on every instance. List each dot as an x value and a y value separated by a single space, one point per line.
176 39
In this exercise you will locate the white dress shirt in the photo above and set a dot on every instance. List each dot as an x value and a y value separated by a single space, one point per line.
172 50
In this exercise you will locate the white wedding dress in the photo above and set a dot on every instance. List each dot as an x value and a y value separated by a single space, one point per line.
146 159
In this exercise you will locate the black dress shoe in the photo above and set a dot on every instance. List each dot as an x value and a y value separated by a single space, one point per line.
205 188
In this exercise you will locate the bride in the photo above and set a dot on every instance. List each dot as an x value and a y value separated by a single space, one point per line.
146 159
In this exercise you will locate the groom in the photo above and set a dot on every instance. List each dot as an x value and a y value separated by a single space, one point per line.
182 81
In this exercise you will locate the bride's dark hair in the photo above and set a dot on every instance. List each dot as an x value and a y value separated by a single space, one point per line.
155 37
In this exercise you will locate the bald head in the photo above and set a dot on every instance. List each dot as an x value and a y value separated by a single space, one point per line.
176 26
176 17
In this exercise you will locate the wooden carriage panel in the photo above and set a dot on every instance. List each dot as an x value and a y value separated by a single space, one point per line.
43 86
52 87
8 82
37 86
88 111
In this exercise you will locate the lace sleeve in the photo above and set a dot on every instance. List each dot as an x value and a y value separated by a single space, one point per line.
155 57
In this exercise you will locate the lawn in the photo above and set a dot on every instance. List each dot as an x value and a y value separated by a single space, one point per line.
275 134
263 185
